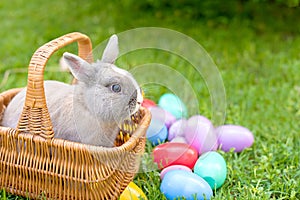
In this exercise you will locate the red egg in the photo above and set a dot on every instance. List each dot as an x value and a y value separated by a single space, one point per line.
147 103
168 154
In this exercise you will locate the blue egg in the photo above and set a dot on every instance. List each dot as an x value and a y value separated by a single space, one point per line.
179 183
173 105
211 166
157 132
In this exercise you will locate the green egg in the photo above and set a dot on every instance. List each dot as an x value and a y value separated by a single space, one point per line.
211 166
174 105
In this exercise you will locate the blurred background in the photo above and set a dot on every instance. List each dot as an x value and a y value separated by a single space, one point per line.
254 43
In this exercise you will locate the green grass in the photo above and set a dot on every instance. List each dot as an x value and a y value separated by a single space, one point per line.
255 46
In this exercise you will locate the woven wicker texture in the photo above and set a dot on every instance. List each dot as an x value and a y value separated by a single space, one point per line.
34 164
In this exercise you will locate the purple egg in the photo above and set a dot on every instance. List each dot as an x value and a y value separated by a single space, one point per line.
170 119
179 139
162 115
200 133
177 129
234 136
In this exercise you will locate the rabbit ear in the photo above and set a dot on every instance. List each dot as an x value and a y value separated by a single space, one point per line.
80 68
111 50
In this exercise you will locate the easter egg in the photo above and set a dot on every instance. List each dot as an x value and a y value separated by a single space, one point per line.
157 132
170 119
173 167
179 139
163 115
180 183
132 192
147 103
168 154
200 134
173 104
177 129
234 136
211 166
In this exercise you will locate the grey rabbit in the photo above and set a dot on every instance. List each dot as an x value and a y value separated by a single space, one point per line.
91 111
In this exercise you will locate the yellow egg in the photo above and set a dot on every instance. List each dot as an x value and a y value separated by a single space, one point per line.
133 192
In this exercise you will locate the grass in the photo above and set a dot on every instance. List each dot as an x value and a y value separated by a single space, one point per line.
255 46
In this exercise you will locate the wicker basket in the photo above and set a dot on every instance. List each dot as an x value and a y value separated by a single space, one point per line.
34 164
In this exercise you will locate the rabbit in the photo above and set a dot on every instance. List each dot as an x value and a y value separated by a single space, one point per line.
92 110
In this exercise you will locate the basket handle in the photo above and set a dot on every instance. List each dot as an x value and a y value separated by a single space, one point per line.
35 118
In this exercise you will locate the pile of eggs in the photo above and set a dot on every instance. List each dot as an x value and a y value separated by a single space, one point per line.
185 149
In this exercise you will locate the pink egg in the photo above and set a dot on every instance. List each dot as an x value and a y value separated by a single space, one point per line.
162 115
234 136
177 129
200 134
173 167
179 139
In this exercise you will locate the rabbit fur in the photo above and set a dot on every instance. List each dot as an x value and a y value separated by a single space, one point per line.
91 111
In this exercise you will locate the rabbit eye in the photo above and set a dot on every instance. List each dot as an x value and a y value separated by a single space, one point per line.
116 88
